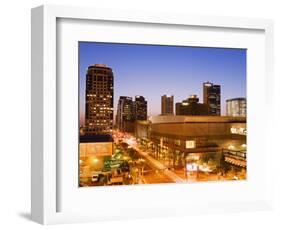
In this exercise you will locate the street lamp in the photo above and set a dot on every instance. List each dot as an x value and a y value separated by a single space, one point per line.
95 160
230 147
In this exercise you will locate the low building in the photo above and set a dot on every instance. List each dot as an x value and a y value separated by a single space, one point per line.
177 137
93 150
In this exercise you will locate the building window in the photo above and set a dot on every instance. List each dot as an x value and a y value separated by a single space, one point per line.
190 144
177 142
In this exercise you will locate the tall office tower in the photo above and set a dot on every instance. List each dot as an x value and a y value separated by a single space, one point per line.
125 113
236 107
191 107
140 108
167 105
99 100
212 98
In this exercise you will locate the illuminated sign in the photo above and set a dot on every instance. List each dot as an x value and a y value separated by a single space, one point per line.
192 167
95 149
190 144
239 131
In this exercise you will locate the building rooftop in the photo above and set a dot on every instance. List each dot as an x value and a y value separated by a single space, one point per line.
143 122
96 138
196 119
237 99
100 65
104 66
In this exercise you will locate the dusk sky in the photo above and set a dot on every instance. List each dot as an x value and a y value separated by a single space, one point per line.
153 70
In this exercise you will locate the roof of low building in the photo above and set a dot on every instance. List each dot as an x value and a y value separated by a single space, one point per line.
237 99
96 138
196 119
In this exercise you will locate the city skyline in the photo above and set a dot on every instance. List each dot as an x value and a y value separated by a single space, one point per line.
152 71
131 83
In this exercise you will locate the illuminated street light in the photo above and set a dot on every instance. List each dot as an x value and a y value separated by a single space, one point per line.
95 160
191 167
230 147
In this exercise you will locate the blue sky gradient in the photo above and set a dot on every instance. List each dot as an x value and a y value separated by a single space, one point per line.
153 70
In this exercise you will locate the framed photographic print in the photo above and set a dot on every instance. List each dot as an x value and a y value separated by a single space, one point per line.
140 114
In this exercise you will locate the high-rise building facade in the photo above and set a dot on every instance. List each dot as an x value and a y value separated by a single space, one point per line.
212 98
99 100
191 107
125 112
167 105
140 108
236 107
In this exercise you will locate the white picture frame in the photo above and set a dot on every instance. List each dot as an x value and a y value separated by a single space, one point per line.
45 206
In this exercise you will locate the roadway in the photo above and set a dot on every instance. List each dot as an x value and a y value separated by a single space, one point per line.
155 164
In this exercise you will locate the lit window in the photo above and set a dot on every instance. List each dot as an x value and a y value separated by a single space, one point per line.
177 142
190 144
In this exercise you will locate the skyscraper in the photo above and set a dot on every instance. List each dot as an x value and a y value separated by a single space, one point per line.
125 112
167 105
191 107
212 98
99 100
140 108
236 107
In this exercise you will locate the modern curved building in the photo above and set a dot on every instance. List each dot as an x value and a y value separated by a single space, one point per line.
99 100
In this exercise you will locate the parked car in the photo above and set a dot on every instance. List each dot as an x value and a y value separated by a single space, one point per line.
117 177
95 176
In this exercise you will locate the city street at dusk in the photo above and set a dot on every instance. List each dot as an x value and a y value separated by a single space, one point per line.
165 114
